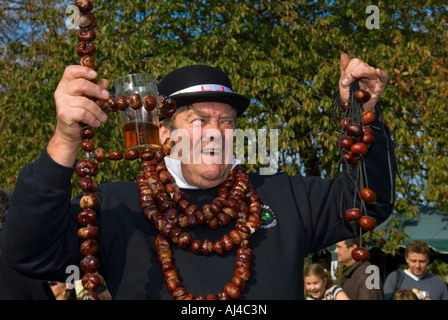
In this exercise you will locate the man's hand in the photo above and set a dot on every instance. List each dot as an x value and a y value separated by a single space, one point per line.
72 108
372 80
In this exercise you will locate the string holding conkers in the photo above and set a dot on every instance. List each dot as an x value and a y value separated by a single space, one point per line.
88 168
356 138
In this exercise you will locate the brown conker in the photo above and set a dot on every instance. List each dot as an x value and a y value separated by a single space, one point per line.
368 195
361 96
89 247
232 291
90 264
360 254
87 217
359 148
150 103
86 168
367 223
353 214
354 129
91 281
368 117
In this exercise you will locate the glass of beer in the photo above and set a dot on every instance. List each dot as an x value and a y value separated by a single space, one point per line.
140 127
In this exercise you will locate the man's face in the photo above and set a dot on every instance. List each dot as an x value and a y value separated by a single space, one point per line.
417 263
208 127
344 253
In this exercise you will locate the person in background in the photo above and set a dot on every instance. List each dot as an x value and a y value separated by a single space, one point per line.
404 294
60 290
353 276
416 278
319 286
14 286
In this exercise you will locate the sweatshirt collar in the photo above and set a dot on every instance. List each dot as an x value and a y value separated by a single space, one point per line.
174 167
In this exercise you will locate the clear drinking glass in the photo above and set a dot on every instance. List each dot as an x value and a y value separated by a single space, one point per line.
140 127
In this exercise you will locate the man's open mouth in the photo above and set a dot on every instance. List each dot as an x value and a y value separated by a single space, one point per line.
211 152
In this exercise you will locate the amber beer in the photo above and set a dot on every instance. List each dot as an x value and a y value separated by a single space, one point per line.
143 134
140 127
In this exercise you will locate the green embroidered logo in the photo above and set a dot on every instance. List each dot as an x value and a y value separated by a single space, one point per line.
268 218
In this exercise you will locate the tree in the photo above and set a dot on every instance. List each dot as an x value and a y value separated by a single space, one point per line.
283 54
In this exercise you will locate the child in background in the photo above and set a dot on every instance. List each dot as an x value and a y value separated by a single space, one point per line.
319 286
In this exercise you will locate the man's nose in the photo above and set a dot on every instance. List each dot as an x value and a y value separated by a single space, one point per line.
211 134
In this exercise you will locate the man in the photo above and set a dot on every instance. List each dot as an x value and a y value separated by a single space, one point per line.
416 278
14 286
357 278
304 213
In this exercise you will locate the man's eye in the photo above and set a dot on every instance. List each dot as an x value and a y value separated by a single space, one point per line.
198 121
228 122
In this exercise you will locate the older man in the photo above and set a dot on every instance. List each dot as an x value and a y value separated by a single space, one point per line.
356 278
301 215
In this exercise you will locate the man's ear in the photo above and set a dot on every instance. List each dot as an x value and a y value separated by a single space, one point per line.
164 133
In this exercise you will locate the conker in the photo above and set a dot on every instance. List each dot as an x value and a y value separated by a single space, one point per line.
345 142
88 201
122 102
88 232
101 104
86 168
361 96
112 104
85 48
87 61
91 281
360 254
84 5
368 117
217 247
359 148
100 155
87 20
135 101
367 223
353 214
131 154
207 247
344 122
89 247
115 155
87 134
354 129
368 139
232 291
349 157
86 34
150 103
87 217
196 246
90 296
87 145
185 240
368 195
90 264
227 242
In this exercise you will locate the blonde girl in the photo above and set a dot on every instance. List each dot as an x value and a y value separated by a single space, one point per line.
319 286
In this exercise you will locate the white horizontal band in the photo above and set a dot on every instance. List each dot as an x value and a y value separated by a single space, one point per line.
204 87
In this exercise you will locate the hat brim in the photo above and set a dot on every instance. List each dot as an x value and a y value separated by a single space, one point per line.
239 102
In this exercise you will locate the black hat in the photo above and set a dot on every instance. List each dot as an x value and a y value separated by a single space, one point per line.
200 83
